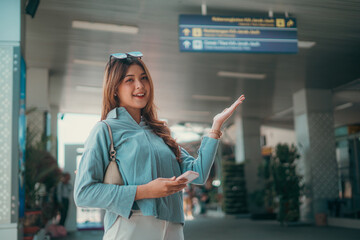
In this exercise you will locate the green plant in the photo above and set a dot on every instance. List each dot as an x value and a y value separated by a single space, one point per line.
286 182
257 197
265 197
40 168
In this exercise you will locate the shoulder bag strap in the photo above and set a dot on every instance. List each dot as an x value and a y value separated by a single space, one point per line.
112 151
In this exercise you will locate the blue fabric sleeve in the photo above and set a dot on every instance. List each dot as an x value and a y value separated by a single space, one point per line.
89 191
202 164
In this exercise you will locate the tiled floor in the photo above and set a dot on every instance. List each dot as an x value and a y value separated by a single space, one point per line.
245 229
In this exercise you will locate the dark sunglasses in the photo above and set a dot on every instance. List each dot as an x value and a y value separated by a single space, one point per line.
124 56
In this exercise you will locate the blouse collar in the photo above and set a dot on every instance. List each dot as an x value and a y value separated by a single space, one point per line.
115 113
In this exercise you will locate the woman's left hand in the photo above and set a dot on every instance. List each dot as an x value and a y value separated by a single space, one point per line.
220 118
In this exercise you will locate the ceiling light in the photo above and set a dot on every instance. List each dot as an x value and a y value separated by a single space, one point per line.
211 98
306 44
88 89
195 113
91 63
241 75
283 112
105 27
343 106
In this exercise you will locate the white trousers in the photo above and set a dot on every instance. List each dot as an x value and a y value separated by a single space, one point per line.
140 227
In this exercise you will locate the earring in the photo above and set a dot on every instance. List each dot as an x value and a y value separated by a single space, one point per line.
115 95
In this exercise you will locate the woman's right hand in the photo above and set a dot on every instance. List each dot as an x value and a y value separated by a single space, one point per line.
160 187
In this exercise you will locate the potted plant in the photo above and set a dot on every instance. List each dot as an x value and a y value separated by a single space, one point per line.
264 197
42 174
286 182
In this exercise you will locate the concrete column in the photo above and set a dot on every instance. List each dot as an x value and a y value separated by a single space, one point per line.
54 110
10 40
248 151
37 99
314 128
55 86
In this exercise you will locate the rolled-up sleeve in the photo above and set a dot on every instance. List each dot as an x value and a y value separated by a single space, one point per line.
89 191
202 164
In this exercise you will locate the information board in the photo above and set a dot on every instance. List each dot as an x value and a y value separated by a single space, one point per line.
198 33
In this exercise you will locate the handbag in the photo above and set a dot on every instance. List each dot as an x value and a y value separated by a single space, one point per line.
112 173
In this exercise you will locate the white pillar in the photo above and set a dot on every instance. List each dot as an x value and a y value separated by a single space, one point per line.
248 151
54 110
38 100
37 91
54 88
10 38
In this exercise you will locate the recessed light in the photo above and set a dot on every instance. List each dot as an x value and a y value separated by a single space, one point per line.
91 63
106 27
241 75
306 44
212 98
197 113
88 89
343 106
284 112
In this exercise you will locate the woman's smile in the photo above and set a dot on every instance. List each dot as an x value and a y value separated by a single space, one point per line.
139 95
134 91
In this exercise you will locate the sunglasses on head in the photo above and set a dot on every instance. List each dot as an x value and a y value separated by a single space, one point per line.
125 56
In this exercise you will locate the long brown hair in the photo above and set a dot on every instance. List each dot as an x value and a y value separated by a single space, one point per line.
115 72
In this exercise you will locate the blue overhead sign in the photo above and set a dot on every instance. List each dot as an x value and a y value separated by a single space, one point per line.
199 33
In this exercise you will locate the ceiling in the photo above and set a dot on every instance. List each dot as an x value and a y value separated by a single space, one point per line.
51 42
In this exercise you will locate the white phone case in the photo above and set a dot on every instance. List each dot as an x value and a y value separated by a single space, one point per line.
189 175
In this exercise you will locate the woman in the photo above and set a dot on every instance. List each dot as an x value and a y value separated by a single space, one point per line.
149 204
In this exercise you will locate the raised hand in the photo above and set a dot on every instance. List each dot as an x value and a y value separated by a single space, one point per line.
220 118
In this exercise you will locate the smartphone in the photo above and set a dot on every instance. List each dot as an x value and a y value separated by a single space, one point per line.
189 175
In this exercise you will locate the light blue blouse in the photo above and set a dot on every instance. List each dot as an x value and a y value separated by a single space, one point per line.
142 156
